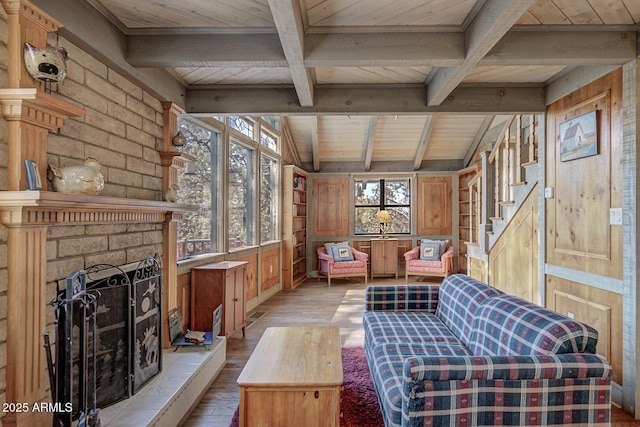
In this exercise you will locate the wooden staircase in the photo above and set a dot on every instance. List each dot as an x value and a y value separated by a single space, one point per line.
507 173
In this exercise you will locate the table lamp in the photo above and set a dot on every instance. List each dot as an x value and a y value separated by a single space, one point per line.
384 219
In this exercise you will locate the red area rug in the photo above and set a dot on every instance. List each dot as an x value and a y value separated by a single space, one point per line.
359 402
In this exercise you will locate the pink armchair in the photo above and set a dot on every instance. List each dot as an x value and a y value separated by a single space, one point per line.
418 267
331 268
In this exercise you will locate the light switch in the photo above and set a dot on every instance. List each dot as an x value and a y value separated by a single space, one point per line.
615 216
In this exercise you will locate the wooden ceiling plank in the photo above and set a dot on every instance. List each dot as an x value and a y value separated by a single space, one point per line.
491 23
288 20
392 99
369 138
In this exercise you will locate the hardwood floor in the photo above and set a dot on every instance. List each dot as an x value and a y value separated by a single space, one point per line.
312 303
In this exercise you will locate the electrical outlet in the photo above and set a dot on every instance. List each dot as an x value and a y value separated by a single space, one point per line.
615 216
570 315
548 192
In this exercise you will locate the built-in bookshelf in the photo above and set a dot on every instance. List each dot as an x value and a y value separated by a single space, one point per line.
466 211
294 226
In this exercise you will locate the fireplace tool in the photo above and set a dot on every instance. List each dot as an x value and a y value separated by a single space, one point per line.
61 374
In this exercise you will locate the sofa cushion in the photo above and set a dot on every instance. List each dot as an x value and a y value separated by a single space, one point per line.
459 298
383 327
508 325
386 363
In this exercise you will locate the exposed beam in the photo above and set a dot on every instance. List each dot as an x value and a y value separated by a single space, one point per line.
369 139
476 141
425 137
288 20
404 99
258 50
492 22
206 50
384 49
291 143
390 166
315 143
562 48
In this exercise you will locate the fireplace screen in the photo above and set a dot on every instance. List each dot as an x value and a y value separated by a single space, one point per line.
111 318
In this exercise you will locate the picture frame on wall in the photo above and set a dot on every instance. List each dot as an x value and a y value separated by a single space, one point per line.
33 175
579 137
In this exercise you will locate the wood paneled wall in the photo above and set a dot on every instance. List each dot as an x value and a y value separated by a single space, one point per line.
330 200
578 233
434 205
513 261
595 307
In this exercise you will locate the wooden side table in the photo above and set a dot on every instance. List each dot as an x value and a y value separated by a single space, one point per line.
384 257
293 378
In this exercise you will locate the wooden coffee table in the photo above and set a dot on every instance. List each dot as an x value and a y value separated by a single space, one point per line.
293 378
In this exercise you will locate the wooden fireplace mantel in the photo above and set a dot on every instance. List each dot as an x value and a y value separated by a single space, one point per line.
31 208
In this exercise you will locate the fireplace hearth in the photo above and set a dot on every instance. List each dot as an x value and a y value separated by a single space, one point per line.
108 336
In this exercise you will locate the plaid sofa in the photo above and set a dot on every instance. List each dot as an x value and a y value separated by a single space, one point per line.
464 353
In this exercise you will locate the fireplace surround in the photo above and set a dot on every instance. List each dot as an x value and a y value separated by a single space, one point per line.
108 336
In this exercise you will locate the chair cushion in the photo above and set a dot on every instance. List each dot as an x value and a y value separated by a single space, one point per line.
430 251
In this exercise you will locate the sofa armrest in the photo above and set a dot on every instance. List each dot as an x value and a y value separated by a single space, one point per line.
402 298
412 254
503 390
472 368
359 256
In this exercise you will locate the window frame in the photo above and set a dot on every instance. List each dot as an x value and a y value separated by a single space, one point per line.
382 204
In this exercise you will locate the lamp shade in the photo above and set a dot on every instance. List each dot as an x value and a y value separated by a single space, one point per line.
383 217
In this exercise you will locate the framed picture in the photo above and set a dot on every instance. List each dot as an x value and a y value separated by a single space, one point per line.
579 137
33 175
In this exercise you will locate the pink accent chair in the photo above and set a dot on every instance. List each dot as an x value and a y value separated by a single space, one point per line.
338 269
419 267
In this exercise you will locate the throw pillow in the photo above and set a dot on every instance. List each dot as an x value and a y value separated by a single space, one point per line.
443 244
342 252
329 247
430 251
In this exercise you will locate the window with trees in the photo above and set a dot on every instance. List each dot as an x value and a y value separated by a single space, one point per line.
241 195
372 196
269 180
198 187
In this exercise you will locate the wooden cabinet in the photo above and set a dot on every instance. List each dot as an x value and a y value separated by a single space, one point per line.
294 227
219 283
466 210
384 257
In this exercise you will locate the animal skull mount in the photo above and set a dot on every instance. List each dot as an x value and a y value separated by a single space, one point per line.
46 65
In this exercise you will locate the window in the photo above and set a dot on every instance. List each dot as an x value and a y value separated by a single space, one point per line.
242 125
269 169
268 140
197 187
371 196
241 195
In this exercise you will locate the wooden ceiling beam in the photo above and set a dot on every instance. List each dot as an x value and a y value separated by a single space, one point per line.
288 19
315 143
339 99
369 139
260 50
482 130
493 21
425 137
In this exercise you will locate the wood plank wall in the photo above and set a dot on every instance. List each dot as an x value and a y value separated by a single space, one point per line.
579 238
